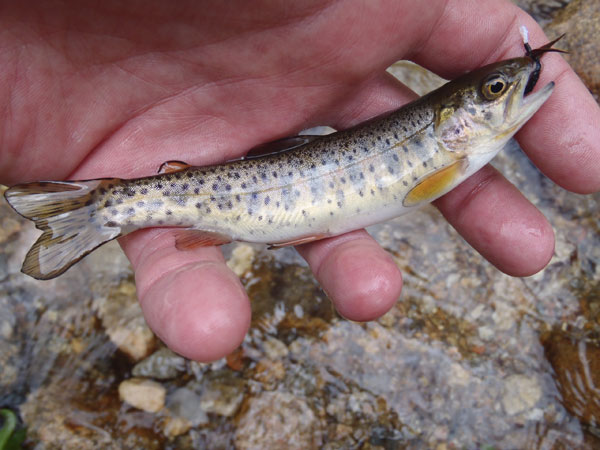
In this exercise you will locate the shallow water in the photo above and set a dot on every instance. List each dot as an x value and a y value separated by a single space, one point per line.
468 358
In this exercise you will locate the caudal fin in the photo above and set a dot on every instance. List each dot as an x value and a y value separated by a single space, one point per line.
66 212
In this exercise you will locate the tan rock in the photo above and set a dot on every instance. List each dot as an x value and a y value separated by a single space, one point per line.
143 394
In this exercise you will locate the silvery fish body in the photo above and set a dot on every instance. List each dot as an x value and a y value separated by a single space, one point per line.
324 186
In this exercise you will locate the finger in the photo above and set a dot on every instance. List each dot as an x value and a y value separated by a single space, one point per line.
500 223
360 278
190 299
563 138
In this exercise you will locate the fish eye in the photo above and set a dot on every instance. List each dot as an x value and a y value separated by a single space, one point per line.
493 87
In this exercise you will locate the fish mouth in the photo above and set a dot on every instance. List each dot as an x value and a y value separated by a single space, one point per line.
525 102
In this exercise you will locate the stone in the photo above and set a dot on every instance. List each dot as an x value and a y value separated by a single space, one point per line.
143 394
521 393
242 257
163 364
294 426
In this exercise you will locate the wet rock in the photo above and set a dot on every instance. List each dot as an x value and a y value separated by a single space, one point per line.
242 257
161 365
521 393
185 412
295 426
542 10
222 394
576 364
143 394
122 318
580 22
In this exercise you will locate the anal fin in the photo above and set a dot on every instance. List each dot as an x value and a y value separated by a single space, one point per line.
189 239
172 166
300 241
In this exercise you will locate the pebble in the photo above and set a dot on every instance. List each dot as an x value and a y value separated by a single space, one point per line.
143 394
242 257
521 393
163 364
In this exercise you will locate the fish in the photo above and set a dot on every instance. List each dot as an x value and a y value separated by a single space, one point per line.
302 188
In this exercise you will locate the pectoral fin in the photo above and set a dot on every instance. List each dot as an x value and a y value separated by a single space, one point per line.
189 239
435 184
172 166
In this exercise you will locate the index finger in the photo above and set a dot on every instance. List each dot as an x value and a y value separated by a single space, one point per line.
563 138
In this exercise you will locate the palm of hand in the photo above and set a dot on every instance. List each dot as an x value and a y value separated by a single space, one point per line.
116 92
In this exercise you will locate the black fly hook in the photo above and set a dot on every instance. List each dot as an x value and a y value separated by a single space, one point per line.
535 55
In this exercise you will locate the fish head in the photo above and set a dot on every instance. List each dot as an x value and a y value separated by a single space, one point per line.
480 111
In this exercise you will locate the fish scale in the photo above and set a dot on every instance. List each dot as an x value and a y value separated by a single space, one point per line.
322 186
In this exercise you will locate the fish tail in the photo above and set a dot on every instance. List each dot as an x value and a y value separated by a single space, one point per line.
67 213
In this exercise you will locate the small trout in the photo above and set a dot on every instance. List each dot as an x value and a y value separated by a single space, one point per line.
325 186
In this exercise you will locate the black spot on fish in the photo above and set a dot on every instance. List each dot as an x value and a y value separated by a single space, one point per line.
198 205
89 202
114 212
312 166
159 185
390 169
277 204
267 200
229 204
396 136
140 203
108 203
227 187
243 185
471 110
343 180
102 190
263 176
220 206
254 179
254 196
236 175
339 204
405 183
328 200
395 157
197 191
130 210
185 186
215 187
168 212
410 164
387 141
270 220
259 217
361 193
143 191
424 163
249 211
119 201
111 224
173 185
238 198
371 168
405 148
274 174
331 185
208 210
331 213
372 192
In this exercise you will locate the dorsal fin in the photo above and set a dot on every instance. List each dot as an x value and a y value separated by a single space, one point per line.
278 146
172 166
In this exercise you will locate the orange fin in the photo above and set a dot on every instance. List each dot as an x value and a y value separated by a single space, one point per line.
435 184
300 241
189 239
173 166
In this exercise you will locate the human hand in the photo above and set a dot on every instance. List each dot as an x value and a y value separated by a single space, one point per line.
115 89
